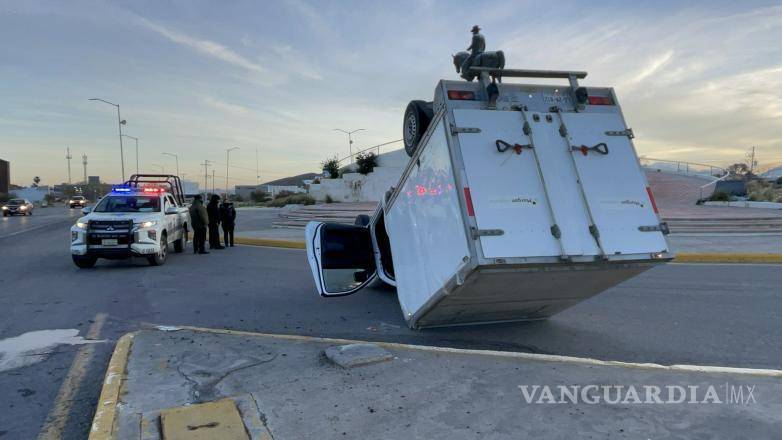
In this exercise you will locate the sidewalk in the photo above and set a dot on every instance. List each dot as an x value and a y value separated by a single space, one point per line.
285 387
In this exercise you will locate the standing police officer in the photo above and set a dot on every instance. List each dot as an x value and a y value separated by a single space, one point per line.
214 222
228 220
199 220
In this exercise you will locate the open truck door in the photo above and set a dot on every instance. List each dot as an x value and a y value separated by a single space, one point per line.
341 257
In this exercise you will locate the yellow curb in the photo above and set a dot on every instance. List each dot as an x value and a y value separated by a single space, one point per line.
507 354
290 244
103 423
727 258
219 419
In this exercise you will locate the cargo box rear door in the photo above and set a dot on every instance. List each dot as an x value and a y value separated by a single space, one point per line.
507 191
613 183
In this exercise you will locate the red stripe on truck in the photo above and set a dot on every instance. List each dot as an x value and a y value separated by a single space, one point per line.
468 198
651 197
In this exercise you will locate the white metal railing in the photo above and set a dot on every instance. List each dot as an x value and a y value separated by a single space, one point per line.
683 167
373 147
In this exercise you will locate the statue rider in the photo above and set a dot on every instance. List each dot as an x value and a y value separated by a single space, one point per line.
477 47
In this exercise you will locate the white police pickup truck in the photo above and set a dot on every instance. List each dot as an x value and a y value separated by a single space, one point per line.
138 219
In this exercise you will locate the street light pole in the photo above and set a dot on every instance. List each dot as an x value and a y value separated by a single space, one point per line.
177 161
135 139
120 123
227 157
350 140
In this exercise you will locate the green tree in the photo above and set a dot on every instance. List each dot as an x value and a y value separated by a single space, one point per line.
331 167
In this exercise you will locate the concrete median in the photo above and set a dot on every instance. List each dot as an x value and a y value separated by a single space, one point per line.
195 380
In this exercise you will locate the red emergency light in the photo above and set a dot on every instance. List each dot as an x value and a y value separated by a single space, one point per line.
600 100
461 95
153 190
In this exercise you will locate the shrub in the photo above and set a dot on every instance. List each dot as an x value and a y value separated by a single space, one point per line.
283 193
329 199
720 196
331 167
259 196
292 199
366 162
762 191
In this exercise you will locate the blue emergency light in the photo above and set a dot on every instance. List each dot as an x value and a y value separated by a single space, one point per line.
121 189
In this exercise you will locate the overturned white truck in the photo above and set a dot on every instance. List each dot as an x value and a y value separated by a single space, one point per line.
519 201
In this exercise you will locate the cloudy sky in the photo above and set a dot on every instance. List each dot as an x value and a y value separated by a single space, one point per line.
698 81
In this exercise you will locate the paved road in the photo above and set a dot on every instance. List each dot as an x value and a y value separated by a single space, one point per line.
41 218
702 314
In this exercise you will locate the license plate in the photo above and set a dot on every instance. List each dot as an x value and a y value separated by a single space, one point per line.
557 99
109 242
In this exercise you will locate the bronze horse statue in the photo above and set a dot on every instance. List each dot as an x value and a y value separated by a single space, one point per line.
493 59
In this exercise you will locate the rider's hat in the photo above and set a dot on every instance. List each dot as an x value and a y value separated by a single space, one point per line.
475 29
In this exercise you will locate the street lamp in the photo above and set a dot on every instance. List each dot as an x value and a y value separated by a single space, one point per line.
227 156
177 161
120 123
135 139
350 140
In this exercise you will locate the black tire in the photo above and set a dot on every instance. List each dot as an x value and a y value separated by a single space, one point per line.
84 262
362 220
179 245
418 115
159 258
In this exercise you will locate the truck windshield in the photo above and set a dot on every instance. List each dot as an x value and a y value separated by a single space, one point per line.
128 204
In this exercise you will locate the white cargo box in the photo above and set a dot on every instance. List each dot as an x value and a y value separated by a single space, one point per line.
508 212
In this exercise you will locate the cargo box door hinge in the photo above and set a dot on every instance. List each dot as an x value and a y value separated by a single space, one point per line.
456 130
477 233
628 132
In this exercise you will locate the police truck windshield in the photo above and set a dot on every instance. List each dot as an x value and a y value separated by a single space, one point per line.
129 204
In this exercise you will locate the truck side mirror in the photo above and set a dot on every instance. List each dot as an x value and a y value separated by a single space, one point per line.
171 210
341 257
86 210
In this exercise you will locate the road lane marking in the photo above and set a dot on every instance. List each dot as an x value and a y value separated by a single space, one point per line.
57 419
34 228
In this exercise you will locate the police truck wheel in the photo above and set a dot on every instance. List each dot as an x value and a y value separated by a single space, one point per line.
160 257
84 262
418 115
180 244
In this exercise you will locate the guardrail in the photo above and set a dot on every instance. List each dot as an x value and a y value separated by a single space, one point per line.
683 167
373 147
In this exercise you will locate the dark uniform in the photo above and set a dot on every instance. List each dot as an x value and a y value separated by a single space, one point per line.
213 210
228 220
199 221
477 47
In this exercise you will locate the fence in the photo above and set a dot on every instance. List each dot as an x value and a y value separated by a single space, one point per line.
682 167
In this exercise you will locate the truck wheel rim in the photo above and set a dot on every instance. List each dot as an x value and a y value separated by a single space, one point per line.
412 128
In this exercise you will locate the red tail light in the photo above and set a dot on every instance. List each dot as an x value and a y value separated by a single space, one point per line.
600 100
651 197
461 95
468 199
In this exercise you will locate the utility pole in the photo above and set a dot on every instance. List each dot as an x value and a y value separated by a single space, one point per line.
257 168
227 158
752 163
213 181
84 162
68 157
206 175
350 140
135 139
120 123
176 157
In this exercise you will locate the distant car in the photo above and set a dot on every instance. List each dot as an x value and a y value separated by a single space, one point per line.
77 202
18 207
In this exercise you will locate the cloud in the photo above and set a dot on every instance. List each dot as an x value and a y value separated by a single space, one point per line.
205 47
